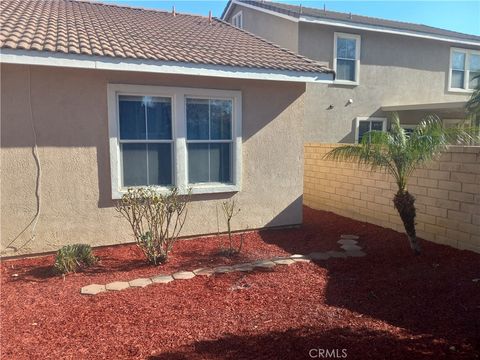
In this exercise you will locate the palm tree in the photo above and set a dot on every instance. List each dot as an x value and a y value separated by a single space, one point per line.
400 154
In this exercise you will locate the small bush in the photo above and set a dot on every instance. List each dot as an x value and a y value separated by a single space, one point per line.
71 257
229 211
156 219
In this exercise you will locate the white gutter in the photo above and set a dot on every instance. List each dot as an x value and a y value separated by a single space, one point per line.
45 58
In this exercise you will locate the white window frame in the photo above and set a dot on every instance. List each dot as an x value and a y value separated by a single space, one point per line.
466 72
368 118
358 40
179 135
237 20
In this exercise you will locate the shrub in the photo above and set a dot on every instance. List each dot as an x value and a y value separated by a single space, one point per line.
70 257
156 219
229 211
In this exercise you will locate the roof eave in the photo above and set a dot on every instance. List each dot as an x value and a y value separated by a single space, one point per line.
44 58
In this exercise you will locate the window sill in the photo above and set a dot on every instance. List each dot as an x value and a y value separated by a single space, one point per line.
346 83
461 91
195 189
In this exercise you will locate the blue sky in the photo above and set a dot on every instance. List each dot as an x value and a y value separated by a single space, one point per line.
462 16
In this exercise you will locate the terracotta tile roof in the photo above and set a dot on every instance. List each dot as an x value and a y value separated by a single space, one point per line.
90 28
297 11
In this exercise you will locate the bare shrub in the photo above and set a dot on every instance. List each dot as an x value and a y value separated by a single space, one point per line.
230 210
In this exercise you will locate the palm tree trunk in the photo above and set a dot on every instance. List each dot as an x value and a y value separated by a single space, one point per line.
405 204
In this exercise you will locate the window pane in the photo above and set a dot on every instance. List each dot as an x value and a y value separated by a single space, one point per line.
474 79
220 119
377 125
457 79
474 62
132 117
159 118
159 164
134 164
346 70
363 127
346 48
197 119
220 161
458 60
198 158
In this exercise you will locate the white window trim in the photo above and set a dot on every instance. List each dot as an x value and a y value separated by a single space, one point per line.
367 118
358 40
179 130
466 77
238 15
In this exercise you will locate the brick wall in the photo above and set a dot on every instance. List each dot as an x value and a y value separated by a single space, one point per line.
447 194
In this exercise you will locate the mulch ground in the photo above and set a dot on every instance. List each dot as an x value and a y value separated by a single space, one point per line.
387 305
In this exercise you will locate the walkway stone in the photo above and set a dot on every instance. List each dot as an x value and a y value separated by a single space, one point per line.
350 237
93 289
300 258
243 267
223 269
264 264
285 261
203 272
355 253
349 247
347 242
183 275
161 279
141 282
318 256
117 286
336 254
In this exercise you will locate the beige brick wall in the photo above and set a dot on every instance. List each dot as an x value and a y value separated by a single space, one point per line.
447 193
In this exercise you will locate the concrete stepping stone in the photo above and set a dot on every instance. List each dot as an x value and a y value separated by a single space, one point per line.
93 289
162 279
117 286
222 269
183 275
203 272
347 242
300 258
243 267
285 261
336 254
355 253
349 237
318 256
349 247
141 282
264 264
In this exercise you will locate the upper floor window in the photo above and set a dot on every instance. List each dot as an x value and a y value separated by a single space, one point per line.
464 69
366 124
237 20
168 136
346 62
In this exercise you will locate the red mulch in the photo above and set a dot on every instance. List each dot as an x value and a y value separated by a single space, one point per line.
387 305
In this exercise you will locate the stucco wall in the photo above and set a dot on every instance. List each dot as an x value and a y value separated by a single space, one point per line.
70 115
447 194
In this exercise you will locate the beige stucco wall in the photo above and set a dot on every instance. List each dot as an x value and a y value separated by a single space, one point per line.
70 115
447 194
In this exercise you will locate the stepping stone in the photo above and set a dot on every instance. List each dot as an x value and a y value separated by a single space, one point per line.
93 289
223 269
300 258
203 272
183 275
142 282
349 247
286 261
318 256
336 254
161 279
243 267
347 242
355 253
349 237
265 264
117 286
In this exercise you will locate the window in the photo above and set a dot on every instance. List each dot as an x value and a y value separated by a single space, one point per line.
167 136
346 62
409 129
366 124
464 69
237 20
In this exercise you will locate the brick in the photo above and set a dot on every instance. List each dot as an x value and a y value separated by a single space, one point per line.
417 190
459 216
449 185
448 204
471 188
425 218
439 175
447 223
450 166
457 235
425 200
460 196
475 219
438 193
471 168
470 208
435 229
436 211
464 158
429 183
462 177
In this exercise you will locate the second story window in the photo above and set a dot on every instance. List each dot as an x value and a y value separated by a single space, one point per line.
464 69
346 62
237 20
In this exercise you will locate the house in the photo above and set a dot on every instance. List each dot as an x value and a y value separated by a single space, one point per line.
381 66
96 98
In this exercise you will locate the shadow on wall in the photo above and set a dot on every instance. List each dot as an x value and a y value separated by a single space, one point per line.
306 343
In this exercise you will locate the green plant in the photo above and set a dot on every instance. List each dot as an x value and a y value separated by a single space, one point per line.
229 211
70 257
155 218
473 105
400 154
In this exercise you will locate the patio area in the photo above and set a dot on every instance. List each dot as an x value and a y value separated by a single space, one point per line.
388 303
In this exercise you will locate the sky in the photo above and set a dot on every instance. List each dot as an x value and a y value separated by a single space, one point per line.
461 16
